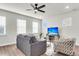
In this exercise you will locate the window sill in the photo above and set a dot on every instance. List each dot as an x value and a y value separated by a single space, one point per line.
3 35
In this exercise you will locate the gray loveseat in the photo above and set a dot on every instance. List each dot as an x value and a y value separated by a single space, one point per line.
30 46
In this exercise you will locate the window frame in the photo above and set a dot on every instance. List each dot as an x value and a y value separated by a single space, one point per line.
24 26
37 28
4 26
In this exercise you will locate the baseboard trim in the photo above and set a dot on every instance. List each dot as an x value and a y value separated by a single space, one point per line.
8 45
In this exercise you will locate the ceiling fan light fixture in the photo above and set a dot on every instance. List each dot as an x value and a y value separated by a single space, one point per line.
35 10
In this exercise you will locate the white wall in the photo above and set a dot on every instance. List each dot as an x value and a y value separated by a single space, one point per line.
73 30
11 26
50 22
66 32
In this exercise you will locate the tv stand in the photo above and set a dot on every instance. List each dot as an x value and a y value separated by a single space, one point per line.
53 38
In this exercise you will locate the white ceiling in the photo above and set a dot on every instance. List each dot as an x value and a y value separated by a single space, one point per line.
51 9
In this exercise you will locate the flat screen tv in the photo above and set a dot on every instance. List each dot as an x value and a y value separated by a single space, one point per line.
53 31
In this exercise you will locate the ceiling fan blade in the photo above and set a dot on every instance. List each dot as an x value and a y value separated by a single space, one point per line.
41 6
41 11
32 5
28 9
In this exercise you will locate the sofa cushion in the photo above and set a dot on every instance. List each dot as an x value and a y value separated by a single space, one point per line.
33 39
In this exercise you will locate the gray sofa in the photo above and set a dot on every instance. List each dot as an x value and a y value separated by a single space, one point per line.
30 46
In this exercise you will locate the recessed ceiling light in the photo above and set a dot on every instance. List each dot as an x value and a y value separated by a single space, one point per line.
67 7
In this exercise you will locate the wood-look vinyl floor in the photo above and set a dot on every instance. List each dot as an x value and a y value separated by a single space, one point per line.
12 50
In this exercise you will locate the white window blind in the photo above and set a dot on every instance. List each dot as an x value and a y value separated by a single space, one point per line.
35 27
21 26
2 25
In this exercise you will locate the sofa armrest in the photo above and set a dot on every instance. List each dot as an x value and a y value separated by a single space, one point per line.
38 42
38 48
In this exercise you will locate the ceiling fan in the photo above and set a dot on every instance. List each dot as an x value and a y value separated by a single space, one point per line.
36 8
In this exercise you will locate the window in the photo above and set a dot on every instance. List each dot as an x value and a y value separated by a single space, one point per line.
2 25
35 27
67 22
21 26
